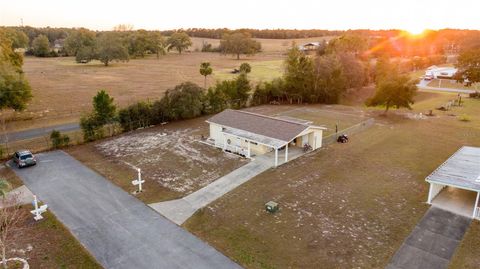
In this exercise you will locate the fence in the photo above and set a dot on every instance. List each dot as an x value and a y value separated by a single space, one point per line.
349 131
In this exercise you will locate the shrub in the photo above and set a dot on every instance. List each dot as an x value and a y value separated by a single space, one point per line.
475 94
59 140
136 116
464 118
91 128
185 101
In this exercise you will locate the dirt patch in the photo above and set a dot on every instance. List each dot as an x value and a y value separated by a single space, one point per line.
173 161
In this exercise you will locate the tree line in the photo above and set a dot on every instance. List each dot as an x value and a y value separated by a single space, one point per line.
394 43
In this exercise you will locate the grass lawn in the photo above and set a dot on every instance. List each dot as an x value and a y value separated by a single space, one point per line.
48 244
12 179
261 71
466 256
345 206
452 84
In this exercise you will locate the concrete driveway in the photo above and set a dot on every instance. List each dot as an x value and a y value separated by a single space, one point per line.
117 229
432 242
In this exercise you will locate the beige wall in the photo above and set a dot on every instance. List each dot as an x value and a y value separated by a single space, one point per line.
217 135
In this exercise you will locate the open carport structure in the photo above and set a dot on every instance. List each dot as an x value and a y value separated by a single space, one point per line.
455 185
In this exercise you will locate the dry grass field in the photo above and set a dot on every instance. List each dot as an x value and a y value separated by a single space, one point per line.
348 205
63 89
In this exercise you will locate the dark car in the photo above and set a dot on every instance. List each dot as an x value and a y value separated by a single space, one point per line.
24 158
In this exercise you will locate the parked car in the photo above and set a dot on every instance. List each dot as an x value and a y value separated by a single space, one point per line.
24 158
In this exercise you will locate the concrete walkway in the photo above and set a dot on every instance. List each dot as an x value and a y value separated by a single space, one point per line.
432 242
180 210
117 229
22 195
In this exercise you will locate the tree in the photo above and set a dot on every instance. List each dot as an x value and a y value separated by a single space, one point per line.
78 40
157 44
15 91
41 46
396 91
245 68
329 80
185 101
104 108
10 216
59 140
109 47
354 44
469 66
298 75
205 70
179 41
239 43
104 112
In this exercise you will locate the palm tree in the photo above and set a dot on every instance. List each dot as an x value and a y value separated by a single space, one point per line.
4 186
205 70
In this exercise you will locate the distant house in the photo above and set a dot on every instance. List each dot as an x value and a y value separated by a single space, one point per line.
435 72
58 44
455 185
310 47
250 134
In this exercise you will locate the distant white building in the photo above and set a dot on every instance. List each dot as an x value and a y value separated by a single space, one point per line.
435 72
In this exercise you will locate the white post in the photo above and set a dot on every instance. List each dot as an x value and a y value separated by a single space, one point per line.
224 142
276 157
139 180
429 201
476 205
286 152
248 151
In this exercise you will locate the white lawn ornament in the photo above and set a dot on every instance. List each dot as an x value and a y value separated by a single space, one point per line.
138 181
38 211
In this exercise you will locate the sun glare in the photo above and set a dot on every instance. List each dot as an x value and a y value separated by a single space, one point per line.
415 31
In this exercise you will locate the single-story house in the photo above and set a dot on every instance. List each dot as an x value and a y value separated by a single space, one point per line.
455 185
249 134
435 72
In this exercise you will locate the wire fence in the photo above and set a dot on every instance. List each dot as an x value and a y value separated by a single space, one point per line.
330 139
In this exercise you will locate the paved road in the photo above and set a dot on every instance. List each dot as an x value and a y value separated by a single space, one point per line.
119 230
39 132
432 242
423 85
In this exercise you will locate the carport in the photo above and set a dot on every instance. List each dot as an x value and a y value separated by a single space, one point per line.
455 185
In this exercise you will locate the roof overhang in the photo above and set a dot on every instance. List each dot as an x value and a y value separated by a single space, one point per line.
260 139
461 170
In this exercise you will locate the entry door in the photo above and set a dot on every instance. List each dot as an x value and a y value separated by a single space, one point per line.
304 140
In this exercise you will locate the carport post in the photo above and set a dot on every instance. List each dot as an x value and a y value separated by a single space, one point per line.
224 142
429 201
248 149
276 157
286 152
475 207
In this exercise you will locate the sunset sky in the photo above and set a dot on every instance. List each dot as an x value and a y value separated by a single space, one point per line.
413 15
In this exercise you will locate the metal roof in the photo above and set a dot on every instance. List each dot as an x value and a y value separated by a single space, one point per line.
280 129
461 170
267 141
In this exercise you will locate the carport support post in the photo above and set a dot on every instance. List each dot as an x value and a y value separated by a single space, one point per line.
286 152
429 201
475 207
248 149
276 157
224 142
